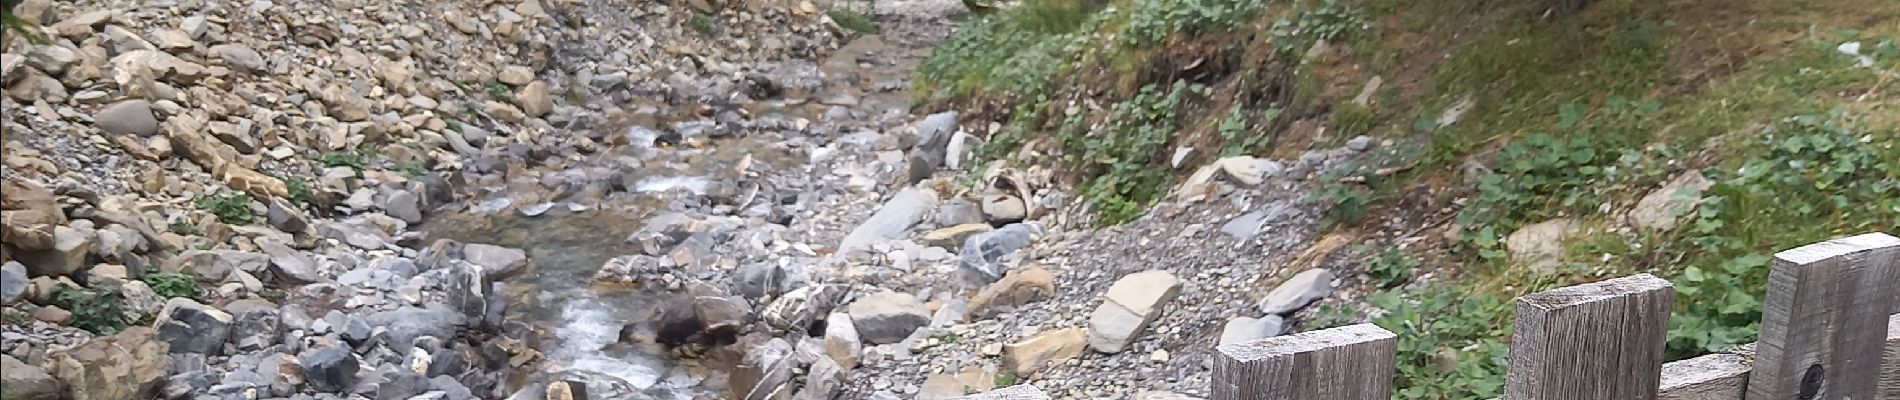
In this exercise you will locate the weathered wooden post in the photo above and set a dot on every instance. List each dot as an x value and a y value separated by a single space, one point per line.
1824 321
1890 369
1719 376
1596 341
1346 363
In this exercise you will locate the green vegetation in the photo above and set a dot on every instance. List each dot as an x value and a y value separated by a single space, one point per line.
10 23
701 23
1328 316
497 91
410 169
350 158
184 227
300 192
1005 379
1521 116
172 284
95 310
233 209
853 20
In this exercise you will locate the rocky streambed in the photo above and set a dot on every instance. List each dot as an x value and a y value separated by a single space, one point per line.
585 199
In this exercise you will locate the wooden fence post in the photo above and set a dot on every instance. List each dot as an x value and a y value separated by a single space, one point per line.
1824 321
1346 363
1719 376
1890 369
1596 341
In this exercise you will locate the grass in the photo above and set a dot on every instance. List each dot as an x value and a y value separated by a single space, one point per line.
701 23
854 21
233 209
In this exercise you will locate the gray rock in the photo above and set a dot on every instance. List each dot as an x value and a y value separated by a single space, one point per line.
497 262
1247 329
760 279
1246 225
257 324
892 220
981 258
450 388
959 212
401 385
330 369
1663 207
1361 143
403 205
767 369
1130 305
25 382
129 117
842 343
888 317
13 282
190 327
933 137
1297 292
183 385
288 265
216 265
51 59
286 216
403 325
1003 209
241 58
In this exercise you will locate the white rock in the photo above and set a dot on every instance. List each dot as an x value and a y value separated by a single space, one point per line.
1130 305
1298 291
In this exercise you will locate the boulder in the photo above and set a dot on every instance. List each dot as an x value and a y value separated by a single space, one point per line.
497 262
404 205
1662 208
1247 329
216 265
799 309
1044 350
286 216
129 117
959 212
71 246
329 369
1297 292
842 343
402 326
1541 245
765 372
28 215
1003 209
933 137
758 280
952 238
256 324
888 317
190 327
1016 289
241 58
129 365
534 99
25 382
1130 305
515 75
892 220
13 282
981 258
289 266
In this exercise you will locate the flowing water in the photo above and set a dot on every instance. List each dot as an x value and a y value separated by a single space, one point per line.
568 240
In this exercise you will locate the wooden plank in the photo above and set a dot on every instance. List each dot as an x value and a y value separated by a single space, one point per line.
1346 363
1596 341
1824 321
1890 369
1719 376
1018 392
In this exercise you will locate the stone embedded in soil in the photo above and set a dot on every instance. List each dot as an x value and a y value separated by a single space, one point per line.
1018 288
1247 329
888 317
1663 207
892 220
1130 305
190 327
1044 350
129 117
1541 245
1297 292
953 237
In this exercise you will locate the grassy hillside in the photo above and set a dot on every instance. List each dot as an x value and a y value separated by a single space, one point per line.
1517 112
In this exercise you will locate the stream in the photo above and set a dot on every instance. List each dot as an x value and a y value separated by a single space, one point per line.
572 224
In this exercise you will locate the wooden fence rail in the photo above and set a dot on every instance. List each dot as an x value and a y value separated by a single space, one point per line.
1829 331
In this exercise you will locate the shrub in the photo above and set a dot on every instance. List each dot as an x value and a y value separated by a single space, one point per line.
701 23
96 311
1390 267
172 284
234 209
300 192
853 21
348 158
1115 162
1451 342
1151 21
